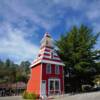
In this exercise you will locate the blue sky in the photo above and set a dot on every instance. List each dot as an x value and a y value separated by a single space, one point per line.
24 22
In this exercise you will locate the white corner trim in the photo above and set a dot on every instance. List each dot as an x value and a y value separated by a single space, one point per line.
41 81
35 63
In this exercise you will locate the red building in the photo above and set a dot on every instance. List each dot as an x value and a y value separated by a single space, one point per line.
46 71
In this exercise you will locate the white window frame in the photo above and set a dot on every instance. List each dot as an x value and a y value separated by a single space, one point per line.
54 79
48 66
57 69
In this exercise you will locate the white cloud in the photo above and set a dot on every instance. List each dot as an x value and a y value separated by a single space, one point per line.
14 45
45 14
40 13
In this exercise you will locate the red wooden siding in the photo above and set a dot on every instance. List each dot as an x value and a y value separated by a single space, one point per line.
46 76
34 82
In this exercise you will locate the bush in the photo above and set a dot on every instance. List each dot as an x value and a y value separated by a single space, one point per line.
86 88
31 96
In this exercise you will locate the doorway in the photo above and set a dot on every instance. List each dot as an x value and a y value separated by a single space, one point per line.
54 86
43 88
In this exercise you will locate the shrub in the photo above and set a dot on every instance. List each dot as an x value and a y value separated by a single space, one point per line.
31 96
86 88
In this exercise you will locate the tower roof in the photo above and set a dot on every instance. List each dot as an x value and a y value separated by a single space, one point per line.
47 41
47 34
47 54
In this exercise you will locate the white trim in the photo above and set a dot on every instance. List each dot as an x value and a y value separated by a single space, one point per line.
46 61
35 63
56 58
54 79
45 52
35 60
55 54
51 58
53 62
41 50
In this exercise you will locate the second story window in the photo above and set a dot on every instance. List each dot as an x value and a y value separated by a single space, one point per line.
57 71
48 68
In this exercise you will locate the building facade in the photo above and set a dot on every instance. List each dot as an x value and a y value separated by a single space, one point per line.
46 71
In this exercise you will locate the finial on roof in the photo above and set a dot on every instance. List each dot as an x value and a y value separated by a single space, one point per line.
47 40
47 34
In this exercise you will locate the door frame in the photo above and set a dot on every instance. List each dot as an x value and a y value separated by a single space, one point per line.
44 95
54 79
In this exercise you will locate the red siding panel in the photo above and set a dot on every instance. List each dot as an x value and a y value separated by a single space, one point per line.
46 76
34 82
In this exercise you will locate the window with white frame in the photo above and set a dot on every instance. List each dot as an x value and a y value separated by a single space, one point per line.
57 71
48 68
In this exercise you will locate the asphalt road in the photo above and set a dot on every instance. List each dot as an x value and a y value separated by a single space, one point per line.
85 96
11 98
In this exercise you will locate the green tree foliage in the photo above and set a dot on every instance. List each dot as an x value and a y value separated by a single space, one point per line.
11 72
98 68
76 49
23 71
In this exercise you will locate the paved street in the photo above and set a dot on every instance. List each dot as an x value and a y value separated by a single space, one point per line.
85 96
11 98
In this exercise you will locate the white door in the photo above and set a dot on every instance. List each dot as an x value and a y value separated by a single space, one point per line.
43 88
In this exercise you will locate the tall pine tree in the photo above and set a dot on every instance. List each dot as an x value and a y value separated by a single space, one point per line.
76 49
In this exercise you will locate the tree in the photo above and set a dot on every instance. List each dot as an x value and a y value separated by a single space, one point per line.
23 71
11 72
8 63
98 68
76 49
25 65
